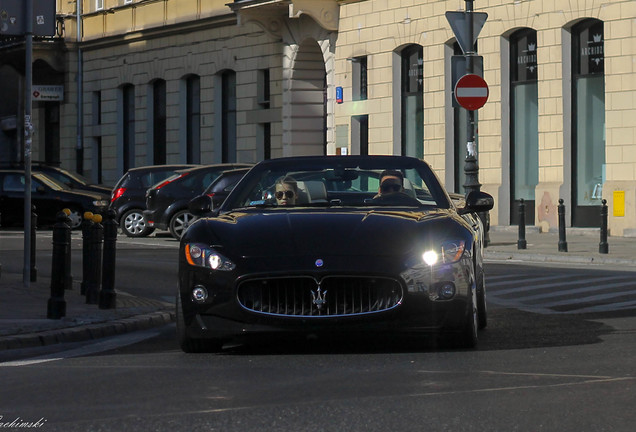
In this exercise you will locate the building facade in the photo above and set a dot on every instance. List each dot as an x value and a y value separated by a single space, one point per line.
203 81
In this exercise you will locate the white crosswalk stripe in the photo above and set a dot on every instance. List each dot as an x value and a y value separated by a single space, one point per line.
563 293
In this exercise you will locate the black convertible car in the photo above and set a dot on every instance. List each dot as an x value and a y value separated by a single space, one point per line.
330 246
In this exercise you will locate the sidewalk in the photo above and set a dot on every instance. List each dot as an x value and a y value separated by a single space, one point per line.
23 311
23 321
582 247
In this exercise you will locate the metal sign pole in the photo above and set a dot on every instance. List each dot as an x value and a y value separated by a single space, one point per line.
28 129
471 168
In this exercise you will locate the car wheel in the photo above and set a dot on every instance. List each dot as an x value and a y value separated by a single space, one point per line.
75 217
189 345
180 223
133 224
469 337
481 303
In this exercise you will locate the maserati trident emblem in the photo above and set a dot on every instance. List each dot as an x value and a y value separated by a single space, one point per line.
319 298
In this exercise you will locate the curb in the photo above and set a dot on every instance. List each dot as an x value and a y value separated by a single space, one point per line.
83 333
549 258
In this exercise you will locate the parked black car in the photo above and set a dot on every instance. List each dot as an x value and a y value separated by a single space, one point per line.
167 202
128 197
48 195
220 188
69 178
329 246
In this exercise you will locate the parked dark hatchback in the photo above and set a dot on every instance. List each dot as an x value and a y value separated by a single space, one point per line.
48 196
128 197
220 188
167 202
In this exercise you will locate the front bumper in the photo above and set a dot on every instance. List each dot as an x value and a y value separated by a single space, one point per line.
420 309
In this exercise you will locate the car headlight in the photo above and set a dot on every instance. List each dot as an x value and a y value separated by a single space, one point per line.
200 255
100 203
449 252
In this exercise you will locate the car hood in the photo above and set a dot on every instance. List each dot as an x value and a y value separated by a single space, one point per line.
327 232
79 193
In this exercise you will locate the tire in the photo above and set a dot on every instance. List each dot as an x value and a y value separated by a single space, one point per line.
75 217
180 222
133 224
469 337
482 309
189 345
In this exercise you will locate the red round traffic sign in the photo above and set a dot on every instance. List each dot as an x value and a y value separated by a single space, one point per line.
471 92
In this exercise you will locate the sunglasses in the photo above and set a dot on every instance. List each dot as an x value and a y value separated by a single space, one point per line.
288 194
390 187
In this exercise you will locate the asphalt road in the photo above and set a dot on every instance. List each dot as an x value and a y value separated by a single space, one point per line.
558 355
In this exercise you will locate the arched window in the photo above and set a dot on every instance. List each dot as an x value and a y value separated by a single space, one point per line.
524 123
159 122
228 116
128 127
192 120
588 121
412 101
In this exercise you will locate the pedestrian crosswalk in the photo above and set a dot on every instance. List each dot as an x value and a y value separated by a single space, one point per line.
553 291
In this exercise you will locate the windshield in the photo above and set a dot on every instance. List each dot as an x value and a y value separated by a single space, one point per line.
50 182
338 181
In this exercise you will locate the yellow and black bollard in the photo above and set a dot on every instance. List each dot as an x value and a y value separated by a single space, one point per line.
56 307
107 296
95 249
87 262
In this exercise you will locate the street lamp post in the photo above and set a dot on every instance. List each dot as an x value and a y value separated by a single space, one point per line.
471 168
28 129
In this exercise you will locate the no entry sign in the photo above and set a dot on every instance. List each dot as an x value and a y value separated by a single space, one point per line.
471 92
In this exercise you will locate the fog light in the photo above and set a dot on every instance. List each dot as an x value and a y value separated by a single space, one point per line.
199 294
447 290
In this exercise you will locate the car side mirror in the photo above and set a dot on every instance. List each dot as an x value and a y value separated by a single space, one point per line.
477 202
200 205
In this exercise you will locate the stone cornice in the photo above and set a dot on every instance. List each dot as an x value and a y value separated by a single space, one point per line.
271 14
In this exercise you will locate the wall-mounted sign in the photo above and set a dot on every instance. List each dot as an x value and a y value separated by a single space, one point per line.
13 19
47 93
339 97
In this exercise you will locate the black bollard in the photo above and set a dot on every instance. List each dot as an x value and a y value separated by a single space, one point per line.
107 296
68 282
87 263
603 247
34 226
521 242
563 244
96 239
56 308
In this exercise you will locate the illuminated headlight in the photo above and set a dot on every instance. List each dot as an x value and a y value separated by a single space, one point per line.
449 252
204 256
100 203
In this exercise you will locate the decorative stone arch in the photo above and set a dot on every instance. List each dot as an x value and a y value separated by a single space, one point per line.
308 31
308 88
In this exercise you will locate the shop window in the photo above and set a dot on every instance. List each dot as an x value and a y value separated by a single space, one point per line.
588 118
412 102
524 123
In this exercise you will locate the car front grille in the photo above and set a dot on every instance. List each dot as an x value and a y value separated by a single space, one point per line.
332 296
